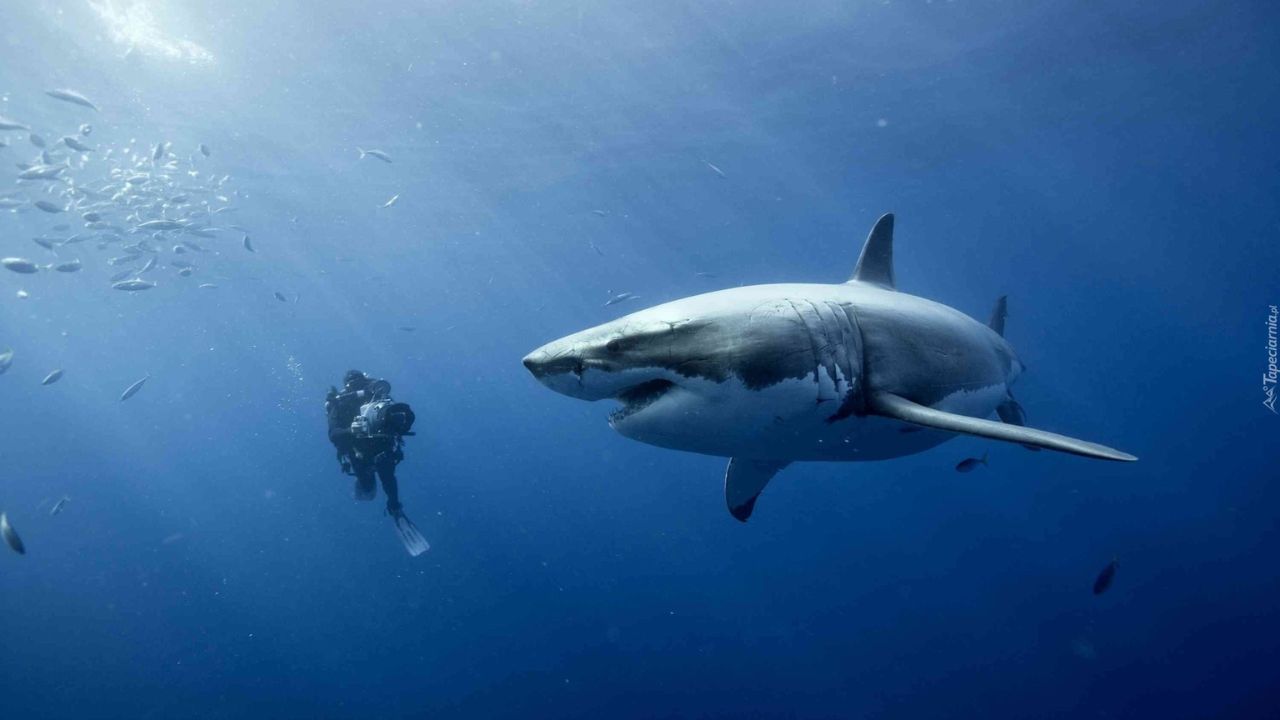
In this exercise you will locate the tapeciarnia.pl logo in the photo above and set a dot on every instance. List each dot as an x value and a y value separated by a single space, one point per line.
1270 376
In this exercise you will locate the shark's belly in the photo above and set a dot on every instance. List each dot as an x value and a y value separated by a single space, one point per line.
790 422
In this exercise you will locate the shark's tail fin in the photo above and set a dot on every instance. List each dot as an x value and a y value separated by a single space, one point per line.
998 315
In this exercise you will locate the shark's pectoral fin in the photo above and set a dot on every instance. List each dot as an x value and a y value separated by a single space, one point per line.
899 408
744 479
1011 413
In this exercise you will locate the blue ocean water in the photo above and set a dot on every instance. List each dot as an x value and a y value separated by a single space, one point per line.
1111 167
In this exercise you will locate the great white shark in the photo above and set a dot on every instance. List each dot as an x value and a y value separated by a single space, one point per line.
768 375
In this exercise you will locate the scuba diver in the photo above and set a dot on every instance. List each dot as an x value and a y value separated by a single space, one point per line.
368 429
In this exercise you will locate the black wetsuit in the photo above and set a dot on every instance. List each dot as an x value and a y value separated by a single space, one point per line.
367 456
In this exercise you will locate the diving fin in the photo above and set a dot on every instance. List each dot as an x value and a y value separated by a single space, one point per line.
409 535
744 480
900 408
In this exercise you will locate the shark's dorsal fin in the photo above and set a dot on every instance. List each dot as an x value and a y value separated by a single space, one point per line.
998 315
744 479
875 264
900 408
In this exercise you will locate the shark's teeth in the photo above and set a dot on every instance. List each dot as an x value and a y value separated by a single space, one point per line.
638 397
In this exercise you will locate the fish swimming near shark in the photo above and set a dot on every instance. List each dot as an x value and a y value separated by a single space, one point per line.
71 96
374 153
768 375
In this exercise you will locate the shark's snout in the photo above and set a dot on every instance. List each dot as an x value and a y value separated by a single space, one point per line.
544 363
587 366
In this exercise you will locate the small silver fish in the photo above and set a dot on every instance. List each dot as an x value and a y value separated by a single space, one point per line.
179 249
248 245
71 96
185 272
52 377
69 266
121 275
133 389
19 265
281 297
85 129
207 286
7 124
374 153
620 297
75 144
969 464
37 140
204 150
58 506
134 285
161 225
715 169
11 536
41 172
46 243
6 359
91 217
391 202
48 207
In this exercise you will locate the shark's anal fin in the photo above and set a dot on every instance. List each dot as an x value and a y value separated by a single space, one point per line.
875 264
744 479
900 408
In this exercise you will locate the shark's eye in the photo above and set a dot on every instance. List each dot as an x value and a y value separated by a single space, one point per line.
613 346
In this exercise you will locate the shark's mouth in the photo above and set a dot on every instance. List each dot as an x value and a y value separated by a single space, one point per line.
638 397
